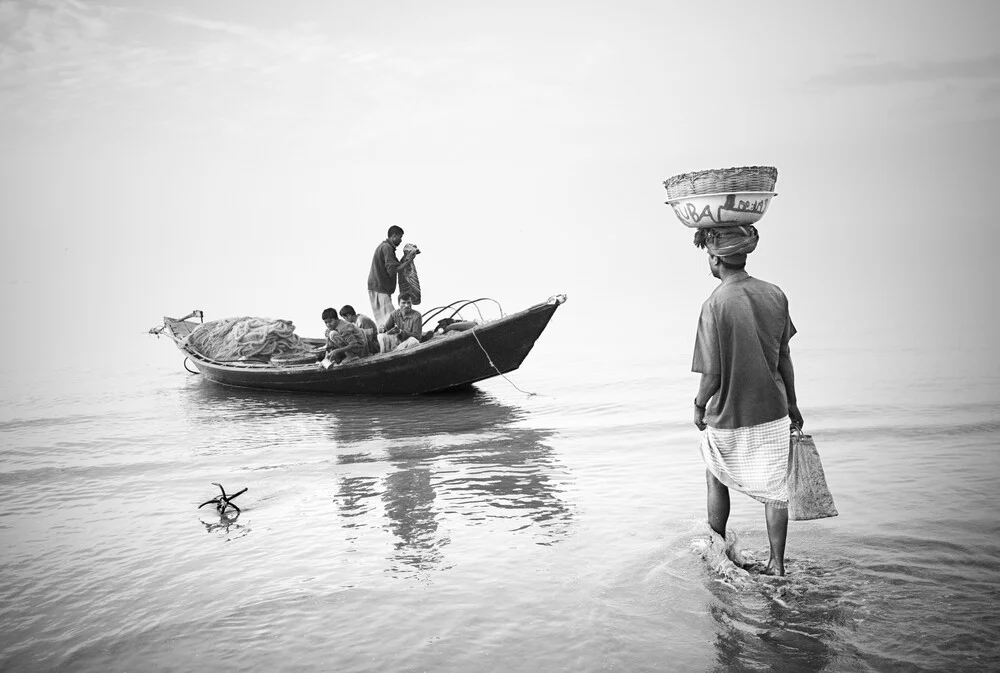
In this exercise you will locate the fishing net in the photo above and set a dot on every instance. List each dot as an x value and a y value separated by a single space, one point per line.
243 338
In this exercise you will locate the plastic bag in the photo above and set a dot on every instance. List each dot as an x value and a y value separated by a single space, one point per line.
808 495
409 281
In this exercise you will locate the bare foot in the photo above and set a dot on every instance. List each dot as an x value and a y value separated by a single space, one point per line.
778 570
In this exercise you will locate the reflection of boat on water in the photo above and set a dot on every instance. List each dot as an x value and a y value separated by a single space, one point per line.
443 362
405 464
357 418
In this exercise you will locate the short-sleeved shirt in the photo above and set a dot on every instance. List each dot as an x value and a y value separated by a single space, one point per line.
385 267
350 336
743 330
370 329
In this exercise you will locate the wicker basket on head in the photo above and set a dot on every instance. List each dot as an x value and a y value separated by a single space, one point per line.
722 181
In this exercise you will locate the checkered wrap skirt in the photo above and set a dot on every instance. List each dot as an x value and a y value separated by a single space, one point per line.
751 460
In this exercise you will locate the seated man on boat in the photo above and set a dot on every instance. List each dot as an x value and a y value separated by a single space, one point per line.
364 323
403 328
344 340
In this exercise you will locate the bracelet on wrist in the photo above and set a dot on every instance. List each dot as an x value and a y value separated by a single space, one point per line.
698 406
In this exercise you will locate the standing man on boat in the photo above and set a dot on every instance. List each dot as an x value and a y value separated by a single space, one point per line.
746 398
384 271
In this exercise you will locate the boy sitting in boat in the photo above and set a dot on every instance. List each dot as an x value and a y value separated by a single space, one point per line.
344 341
403 327
364 323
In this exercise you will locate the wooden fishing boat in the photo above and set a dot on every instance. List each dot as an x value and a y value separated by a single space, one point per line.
447 361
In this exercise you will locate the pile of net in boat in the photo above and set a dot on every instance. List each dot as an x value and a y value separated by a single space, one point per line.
245 338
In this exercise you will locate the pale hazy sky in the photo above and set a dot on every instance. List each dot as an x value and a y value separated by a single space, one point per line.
246 157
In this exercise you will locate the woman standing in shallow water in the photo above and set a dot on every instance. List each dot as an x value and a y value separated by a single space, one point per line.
746 397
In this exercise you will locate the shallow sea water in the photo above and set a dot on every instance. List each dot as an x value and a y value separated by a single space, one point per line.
490 530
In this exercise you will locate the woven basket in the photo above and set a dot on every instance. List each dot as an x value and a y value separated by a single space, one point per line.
722 180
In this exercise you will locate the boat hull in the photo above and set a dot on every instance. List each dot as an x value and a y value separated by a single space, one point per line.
442 363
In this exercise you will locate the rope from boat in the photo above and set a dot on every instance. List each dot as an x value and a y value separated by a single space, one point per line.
185 363
490 360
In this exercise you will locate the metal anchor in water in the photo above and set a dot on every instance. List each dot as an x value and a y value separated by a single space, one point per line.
223 501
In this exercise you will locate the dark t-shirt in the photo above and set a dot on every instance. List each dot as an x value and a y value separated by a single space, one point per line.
743 330
385 266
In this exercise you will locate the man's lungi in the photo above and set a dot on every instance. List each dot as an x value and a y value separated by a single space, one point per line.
382 306
752 460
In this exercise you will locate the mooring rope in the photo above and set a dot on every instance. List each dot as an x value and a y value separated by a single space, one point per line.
490 360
